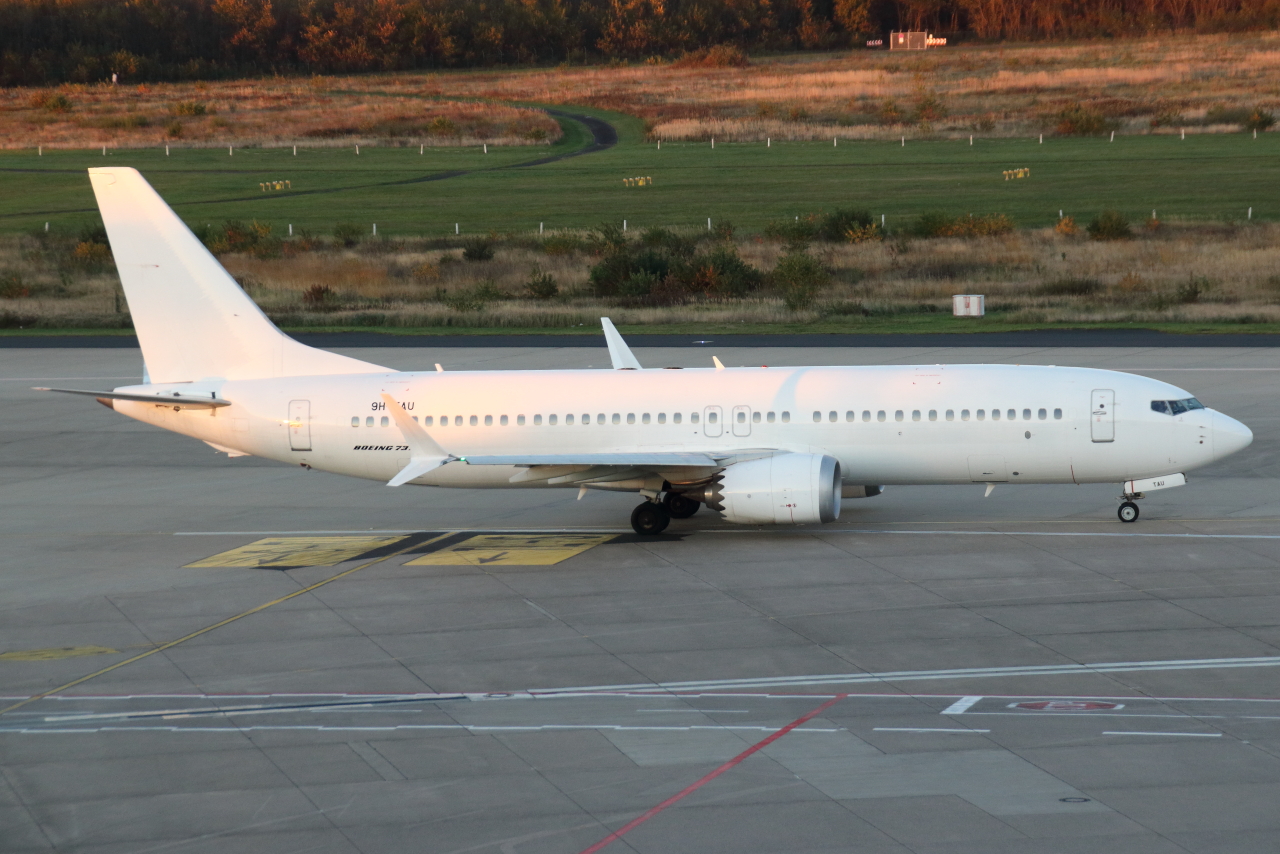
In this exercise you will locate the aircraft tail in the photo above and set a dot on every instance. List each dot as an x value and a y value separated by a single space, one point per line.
193 320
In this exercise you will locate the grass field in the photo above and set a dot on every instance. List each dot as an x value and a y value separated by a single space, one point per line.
1204 177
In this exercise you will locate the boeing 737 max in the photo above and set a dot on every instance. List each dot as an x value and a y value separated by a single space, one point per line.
759 445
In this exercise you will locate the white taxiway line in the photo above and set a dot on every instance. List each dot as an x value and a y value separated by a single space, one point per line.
959 707
927 729
1184 734
917 675
411 727
959 533
377 531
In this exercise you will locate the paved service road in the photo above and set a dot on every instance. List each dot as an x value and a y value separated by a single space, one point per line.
247 657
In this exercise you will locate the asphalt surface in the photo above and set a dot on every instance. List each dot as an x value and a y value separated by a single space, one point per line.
517 672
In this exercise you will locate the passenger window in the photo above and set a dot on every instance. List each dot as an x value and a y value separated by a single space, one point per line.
982 414
1042 415
897 415
537 421
1057 415
817 416
675 417
355 421
693 418
586 418
866 415
964 415
519 421
880 415
568 419
662 418
755 417
915 415
428 420
995 414
474 421
933 415
551 420
644 419
457 421
712 418
368 422
617 419
631 418
600 418
831 416
1012 414
771 418
1026 415
385 421
786 417
951 415
850 415
502 420
742 417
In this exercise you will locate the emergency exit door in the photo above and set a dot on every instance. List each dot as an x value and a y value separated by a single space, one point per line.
300 425
1102 415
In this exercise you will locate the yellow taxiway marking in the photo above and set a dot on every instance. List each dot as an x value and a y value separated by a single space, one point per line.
54 653
264 606
296 551
512 550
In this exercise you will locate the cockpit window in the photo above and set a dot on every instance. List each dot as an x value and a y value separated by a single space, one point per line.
1176 407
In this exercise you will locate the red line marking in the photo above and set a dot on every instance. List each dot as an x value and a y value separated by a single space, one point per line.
693 787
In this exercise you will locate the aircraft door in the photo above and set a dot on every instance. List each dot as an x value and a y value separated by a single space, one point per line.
712 418
742 421
1102 415
300 425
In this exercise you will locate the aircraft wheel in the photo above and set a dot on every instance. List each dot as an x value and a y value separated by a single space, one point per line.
680 506
650 518
1128 512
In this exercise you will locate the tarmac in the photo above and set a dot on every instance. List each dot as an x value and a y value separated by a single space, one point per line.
202 654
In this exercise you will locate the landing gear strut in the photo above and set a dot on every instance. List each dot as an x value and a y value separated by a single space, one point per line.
680 506
650 518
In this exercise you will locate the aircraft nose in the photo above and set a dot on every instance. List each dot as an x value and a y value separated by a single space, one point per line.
1229 435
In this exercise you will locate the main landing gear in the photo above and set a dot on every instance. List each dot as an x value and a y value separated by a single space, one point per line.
653 516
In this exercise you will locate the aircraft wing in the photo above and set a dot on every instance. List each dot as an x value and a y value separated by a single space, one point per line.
659 459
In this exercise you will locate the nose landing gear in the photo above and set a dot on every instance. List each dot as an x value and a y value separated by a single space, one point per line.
1128 511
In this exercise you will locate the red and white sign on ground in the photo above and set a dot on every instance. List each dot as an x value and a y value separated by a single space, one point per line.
1066 706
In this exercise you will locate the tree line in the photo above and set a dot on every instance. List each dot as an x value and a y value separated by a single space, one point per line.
52 41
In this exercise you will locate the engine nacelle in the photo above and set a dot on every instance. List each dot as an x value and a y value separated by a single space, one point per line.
787 489
851 491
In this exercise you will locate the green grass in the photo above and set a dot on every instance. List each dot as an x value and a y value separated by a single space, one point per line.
1202 177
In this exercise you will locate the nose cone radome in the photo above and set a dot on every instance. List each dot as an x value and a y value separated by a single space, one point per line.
1229 435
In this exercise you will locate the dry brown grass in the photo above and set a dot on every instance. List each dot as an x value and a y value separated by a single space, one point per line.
263 112
1172 274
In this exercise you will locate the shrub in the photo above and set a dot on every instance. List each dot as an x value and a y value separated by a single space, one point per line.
1067 225
11 286
800 230
319 297
541 285
889 113
1074 287
478 249
670 242
1109 225
51 102
716 56
173 130
1259 119
348 233
1079 120
442 126
836 225
938 224
1167 119
864 234
799 276
91 257
559 245
425 271
189 108
1193 288
719 273
929 108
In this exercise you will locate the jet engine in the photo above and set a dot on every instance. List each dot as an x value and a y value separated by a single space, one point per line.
788 489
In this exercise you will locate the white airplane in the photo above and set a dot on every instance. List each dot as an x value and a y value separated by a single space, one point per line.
759 445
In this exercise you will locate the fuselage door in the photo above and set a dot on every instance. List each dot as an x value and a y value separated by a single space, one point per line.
1102 415
712 421
742 421
300 425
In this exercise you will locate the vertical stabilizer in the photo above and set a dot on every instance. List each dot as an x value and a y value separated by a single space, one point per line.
193 320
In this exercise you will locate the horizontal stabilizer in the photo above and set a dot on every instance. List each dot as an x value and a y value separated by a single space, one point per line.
642 459
185 400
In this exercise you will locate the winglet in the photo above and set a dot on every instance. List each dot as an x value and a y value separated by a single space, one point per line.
619 352
719 366
427 454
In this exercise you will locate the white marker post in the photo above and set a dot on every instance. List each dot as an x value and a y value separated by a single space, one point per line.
1059 213
539 229
768 142
1184 133
166 151
291 229
971 139
713 142
486 148
1153 213
1113 136
229 154
659 145
1042 139
624 225
104 151
375 229
455 228
835 141
904 142
357 151
1249 217
40 150
881 222
46 226
708 223
422 147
